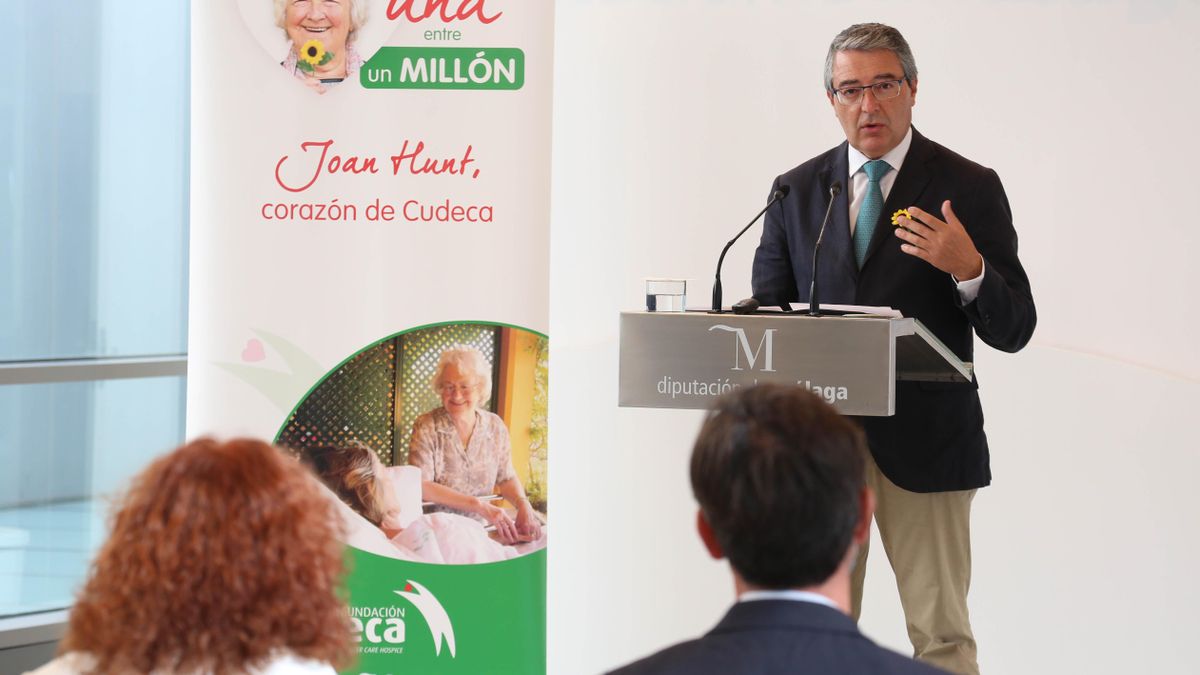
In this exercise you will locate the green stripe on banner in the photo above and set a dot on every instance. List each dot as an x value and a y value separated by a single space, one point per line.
444 68
488 618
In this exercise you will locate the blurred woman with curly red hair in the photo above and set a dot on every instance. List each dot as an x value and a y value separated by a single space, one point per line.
223 558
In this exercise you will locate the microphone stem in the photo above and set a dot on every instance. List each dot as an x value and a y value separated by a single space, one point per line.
717 302
814 307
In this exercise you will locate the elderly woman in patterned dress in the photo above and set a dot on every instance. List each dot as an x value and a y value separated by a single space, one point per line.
464 452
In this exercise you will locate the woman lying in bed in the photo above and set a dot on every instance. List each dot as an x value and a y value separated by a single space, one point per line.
371 490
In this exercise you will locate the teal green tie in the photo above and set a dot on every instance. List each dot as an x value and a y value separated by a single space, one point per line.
872 205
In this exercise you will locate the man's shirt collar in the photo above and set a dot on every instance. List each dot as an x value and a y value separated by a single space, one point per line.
788 594
894 158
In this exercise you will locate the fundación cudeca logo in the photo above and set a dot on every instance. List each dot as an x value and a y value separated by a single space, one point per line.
381 630
434 614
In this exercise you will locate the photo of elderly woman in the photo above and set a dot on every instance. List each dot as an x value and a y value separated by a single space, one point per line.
433 442
322 35
464 452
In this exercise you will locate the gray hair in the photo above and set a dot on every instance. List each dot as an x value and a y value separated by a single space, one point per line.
469 361
357 14
866 37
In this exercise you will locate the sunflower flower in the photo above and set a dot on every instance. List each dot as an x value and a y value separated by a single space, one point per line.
312 52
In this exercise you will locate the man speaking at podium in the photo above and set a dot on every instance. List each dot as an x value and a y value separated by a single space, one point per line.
916 227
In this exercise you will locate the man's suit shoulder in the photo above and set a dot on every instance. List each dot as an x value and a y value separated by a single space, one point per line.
768 637
692 656
778 654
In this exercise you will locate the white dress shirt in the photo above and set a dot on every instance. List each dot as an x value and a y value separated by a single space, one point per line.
788 594
857 181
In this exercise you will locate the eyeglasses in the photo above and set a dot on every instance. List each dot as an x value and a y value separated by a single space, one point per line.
464 389
882 91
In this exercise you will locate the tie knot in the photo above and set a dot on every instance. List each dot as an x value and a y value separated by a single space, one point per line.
876 169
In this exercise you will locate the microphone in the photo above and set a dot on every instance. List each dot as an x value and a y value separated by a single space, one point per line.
780 192
814 307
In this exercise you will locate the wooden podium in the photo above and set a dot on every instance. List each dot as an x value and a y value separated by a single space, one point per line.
688 359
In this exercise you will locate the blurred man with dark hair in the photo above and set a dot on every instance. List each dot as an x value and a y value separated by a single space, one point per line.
779 475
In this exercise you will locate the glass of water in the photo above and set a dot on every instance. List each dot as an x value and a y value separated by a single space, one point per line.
666 295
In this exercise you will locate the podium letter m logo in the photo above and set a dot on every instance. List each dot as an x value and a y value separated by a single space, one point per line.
741 347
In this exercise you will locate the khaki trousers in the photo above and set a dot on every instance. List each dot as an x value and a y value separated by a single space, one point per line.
927 538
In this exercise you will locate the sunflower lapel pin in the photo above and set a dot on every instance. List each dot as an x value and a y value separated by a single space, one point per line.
896 218
313 54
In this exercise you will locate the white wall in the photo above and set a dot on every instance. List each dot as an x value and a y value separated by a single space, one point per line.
672 118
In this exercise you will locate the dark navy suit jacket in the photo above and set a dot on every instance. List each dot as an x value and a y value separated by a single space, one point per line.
766 637
935 442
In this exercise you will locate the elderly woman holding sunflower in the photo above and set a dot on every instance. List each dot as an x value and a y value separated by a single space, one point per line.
322 34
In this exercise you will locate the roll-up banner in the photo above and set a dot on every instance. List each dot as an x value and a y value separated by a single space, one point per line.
369 269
